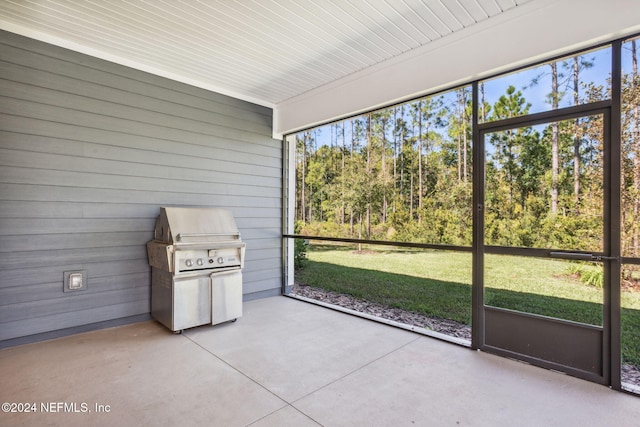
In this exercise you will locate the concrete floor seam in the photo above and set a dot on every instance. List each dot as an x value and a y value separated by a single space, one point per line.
356 370
280 409
239 371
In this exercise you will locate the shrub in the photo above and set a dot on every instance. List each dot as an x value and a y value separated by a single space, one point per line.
299 253
592 276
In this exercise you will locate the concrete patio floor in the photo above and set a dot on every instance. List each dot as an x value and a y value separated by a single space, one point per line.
290 363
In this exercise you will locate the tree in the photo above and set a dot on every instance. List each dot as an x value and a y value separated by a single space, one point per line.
508 143
302 143
380 120
400 134
630 181
459 129
561 81
554 100
427 114
579 64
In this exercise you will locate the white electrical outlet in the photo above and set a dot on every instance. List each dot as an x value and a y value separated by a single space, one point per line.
75 280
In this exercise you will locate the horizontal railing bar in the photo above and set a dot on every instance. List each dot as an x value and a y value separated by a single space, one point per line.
494 250
381 242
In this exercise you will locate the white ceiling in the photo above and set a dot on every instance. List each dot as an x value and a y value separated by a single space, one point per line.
316 60
266 51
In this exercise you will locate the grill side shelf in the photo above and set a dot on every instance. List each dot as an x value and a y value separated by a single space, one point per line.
160 255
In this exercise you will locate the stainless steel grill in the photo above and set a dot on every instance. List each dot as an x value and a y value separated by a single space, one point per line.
196 261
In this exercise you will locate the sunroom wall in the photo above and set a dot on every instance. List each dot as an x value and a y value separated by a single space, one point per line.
89 152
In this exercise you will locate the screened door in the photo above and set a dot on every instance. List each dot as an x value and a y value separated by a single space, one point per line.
543 249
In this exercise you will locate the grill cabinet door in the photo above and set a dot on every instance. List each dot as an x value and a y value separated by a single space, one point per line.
226 294
191 302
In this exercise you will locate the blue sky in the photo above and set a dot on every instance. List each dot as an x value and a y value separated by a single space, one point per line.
535 94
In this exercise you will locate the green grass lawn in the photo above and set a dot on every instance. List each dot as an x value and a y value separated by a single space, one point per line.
438 283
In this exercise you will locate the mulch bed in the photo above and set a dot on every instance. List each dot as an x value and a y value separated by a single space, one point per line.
630 373
444 326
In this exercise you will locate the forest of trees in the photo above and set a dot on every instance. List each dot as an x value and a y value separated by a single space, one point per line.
405 173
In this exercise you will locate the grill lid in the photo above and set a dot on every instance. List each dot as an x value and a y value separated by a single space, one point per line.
180 225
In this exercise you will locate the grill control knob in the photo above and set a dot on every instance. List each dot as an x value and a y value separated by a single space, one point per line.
220 260
200 261
188 263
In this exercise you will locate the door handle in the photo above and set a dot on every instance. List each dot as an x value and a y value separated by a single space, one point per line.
581 257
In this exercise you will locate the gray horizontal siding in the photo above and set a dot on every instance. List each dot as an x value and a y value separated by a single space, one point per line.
112 75
15 278
51 292
127 167
36 209
164 136
25 78
73 319
89 152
